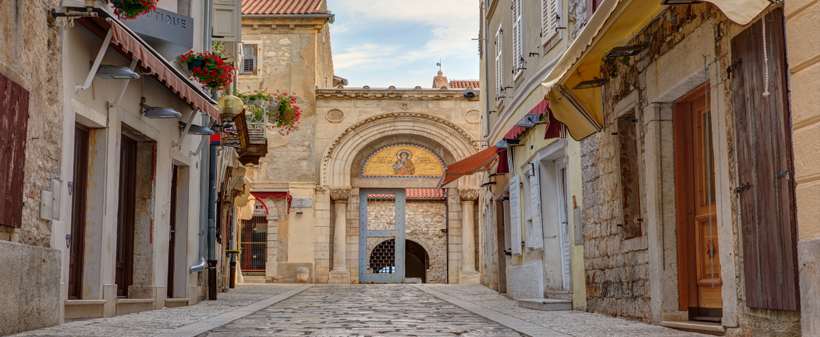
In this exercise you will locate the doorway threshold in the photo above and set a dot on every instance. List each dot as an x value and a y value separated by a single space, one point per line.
711 328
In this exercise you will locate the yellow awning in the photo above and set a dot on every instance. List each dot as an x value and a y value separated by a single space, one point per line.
614 24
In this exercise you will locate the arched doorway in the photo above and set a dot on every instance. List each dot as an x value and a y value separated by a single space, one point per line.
383 256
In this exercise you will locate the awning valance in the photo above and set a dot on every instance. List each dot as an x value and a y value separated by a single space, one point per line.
261 196
131 46
614 24
480 161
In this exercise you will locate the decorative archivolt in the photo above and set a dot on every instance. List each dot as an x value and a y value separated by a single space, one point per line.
337 160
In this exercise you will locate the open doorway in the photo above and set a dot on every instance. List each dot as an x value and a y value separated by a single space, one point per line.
78 205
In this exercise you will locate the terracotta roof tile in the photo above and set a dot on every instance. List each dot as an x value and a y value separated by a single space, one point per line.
280 7
463 84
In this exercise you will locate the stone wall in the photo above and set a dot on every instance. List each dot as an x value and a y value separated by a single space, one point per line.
32 57
425 224
31 287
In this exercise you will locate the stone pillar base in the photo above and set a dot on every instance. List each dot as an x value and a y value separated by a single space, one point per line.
339 277
469 277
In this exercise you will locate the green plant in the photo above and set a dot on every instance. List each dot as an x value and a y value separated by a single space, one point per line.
218 48
609 67
130 9
211 71
281 109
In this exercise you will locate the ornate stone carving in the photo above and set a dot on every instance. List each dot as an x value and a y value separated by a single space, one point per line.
404 106
472 116
335 116
468 194
339 194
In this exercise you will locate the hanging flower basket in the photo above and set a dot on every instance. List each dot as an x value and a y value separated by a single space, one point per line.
130 9
209 69
281 109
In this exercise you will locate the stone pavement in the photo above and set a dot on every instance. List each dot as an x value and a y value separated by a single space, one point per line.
357 310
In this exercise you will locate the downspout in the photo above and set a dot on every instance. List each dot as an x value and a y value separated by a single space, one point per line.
203 203
486 55
207 34
232 246
212 222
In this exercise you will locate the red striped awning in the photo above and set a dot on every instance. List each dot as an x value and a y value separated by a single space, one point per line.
540 109
261 196
480 161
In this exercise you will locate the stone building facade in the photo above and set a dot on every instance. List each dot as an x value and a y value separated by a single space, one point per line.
643 263
30 113
320 165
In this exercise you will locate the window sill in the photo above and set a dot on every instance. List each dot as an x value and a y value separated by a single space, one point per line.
634 244
695 326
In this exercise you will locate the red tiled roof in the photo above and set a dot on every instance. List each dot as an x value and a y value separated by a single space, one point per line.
416 193
463 84
280 7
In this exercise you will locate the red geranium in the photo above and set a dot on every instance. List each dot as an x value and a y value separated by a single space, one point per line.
130 9
214 73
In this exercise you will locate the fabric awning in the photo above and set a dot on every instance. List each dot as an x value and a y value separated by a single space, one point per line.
614 24
132 47
540 109
480 161
261 196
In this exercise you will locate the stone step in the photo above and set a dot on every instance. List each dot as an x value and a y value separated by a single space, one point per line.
254 279
559 295
546 304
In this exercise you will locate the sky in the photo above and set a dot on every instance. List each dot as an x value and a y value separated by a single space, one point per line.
398 42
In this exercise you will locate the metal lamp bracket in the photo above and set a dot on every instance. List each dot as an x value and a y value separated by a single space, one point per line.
184 131
124 84
96 65
204 140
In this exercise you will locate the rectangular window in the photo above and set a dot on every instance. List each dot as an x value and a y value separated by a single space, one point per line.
550 19
499 64
630 179
249 64
518 50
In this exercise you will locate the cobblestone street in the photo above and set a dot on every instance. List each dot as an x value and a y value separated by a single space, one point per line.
357 310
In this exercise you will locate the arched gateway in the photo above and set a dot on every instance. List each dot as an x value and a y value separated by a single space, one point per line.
382 172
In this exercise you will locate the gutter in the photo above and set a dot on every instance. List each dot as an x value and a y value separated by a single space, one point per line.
331 18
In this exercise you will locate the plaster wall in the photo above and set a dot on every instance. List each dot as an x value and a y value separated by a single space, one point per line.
804 64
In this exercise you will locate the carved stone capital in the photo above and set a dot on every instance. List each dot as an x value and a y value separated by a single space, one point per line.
339 194
468 194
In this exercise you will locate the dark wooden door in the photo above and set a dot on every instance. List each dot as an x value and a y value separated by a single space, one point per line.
125 215
698 258
172 231
78 201
765 167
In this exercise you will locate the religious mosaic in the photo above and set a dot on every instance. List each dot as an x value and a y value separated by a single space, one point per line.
403 161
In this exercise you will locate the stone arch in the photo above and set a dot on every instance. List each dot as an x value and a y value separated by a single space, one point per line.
338 158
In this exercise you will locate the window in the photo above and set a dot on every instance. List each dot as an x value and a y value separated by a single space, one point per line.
499 64
550 19
249 63
630 178
518 53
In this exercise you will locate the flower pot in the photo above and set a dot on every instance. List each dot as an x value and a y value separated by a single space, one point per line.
196 63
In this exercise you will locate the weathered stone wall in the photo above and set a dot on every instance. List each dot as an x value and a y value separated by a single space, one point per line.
30 55
31 287
425 224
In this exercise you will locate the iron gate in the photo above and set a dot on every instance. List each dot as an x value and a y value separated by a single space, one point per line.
254 245
381 235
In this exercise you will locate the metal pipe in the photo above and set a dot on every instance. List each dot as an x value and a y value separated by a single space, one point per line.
208 30
486 56
199 267
212 223
331 18
232 245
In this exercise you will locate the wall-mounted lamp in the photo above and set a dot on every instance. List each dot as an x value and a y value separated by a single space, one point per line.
197 129
625 51
598 82
530 120
507 143
116 73
157 112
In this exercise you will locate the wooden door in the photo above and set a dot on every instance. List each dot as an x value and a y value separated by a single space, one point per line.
125 216
501 244
698 259
172 231
766 188
77 190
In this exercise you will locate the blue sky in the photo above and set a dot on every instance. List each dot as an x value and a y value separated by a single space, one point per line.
398 42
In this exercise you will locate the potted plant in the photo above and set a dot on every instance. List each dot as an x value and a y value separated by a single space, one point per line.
130 9
209 69
281 109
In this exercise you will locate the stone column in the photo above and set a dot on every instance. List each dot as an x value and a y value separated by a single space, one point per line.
468 274
339 274
272 265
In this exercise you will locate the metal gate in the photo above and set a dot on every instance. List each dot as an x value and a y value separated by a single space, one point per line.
254 245
381 235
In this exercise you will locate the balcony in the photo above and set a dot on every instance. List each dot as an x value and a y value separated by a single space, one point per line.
248 136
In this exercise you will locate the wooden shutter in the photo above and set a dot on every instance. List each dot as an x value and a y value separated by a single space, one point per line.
535 210
249 59
227 25
550 16
764 161
499 62
517 37
515 214
13 124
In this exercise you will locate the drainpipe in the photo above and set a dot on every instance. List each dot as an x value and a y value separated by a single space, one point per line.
232 245
212 223
203 203
486 55
208 30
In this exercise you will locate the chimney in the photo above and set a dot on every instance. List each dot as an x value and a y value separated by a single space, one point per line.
441 81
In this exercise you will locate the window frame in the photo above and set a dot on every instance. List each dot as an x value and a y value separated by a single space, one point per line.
550 20
518 40
499 65
256 58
